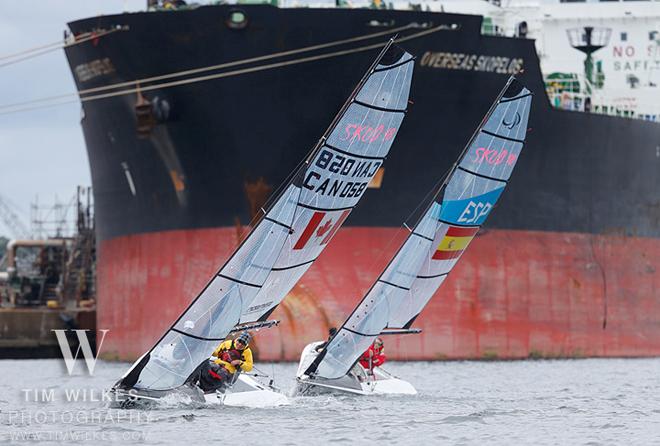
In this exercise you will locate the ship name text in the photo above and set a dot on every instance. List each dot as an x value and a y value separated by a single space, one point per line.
95 68
471 62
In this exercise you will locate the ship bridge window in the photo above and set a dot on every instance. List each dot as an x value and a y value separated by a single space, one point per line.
237 19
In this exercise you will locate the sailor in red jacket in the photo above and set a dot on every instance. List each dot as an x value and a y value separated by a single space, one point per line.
374 356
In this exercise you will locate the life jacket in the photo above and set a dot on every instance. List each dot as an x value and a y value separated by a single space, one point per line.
232 354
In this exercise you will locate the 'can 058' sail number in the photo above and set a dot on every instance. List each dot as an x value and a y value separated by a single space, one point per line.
325 175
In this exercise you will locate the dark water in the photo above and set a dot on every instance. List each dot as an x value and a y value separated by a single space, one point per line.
577 402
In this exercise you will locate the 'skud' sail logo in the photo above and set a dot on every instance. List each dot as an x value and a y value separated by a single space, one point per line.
514 122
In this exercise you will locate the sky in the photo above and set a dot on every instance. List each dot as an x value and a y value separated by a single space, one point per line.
42 152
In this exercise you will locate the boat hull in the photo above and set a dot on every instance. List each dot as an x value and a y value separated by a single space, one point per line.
379 382
245 392
253 394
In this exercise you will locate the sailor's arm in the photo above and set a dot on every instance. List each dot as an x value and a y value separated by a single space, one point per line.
379 358
247 363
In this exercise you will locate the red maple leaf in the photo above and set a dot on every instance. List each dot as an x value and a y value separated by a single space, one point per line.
320 232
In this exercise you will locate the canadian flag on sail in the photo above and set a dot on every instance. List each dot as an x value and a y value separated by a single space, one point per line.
321 227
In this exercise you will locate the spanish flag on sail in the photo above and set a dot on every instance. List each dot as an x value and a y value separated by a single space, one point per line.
453 244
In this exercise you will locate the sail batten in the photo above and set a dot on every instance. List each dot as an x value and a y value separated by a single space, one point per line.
508 138
393 284
239 281
451 221
317 208
390 67
197 337
284 268
354 155
435 276
293 232
284 225
481 175
375 107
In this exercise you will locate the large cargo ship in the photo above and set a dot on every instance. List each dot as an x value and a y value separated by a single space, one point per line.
193 117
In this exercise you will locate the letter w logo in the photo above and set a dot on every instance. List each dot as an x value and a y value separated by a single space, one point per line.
83 344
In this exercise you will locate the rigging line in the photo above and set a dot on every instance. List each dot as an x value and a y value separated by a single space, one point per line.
32 50
423 33
223 65
16 107
245 61
428 199
32 53
231 73
29 56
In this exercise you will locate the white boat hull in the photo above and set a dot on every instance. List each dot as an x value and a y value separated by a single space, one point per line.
251 394
358 381
245 392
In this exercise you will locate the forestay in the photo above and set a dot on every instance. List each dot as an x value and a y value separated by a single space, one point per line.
293 232
459 207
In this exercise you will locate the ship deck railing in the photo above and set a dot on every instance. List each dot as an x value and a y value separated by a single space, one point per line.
575 93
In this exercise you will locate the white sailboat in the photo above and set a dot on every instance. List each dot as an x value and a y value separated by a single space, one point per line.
357 380
458 208
290 236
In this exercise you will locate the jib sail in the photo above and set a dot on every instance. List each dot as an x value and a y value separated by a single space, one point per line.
293 232
458 208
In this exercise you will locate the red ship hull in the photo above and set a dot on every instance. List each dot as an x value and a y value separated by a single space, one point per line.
514 294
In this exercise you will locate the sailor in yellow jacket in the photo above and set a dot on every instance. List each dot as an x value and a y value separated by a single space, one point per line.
236 353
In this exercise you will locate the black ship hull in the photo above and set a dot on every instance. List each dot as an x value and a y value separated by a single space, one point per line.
586 190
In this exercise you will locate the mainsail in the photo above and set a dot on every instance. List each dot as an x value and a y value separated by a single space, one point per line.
458 208
293 232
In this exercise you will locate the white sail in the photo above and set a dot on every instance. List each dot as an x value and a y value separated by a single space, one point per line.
459 208
294 231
